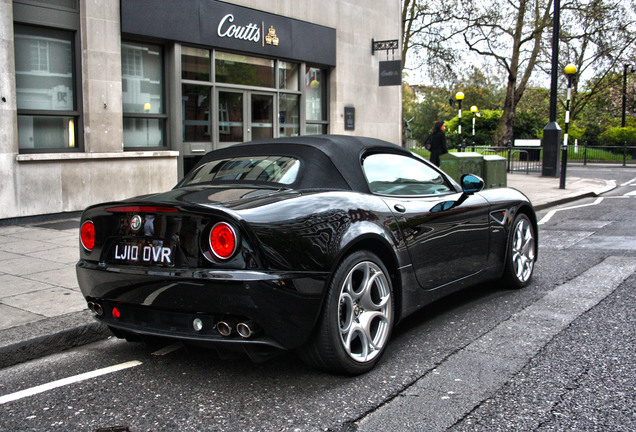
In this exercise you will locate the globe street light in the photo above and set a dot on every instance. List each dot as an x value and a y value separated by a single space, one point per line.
570 71
460 97
476 113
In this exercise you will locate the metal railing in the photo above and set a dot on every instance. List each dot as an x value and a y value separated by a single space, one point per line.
530 159
625 155
518 159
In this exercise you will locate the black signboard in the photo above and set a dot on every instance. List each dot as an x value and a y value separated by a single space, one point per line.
350 118
391 73
227 26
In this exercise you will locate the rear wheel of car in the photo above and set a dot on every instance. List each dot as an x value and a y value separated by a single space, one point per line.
521 253
357 319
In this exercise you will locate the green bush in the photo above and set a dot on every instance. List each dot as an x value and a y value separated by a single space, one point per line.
617 136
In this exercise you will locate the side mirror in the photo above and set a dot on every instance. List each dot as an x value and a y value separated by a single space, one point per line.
471 184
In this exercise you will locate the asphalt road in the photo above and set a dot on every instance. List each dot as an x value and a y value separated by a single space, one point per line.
557 355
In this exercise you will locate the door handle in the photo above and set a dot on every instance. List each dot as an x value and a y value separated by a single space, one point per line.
400 208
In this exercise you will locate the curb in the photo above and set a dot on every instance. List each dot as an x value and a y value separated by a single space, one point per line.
609 185
566 200
49 336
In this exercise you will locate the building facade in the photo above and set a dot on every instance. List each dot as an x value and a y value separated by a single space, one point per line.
106 99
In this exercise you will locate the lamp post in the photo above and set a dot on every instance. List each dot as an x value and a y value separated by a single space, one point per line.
552 131
570 71
625 91
459 97
476 113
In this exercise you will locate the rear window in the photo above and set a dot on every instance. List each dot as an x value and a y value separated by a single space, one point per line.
270 169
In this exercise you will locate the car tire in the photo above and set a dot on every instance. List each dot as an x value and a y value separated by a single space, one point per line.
521 253
357 318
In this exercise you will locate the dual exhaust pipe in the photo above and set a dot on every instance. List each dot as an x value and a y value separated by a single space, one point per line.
96 308
225 328
245 329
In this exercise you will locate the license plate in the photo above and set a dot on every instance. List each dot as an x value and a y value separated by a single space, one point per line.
149 252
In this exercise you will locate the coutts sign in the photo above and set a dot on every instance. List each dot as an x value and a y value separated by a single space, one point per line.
391 73
251 32
226 26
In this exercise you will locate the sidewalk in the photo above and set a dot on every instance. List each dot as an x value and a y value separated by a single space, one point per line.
42 310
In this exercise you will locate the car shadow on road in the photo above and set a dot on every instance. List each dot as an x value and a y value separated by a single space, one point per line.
450 306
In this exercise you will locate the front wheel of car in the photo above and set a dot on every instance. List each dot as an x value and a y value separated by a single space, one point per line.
357 318
521 253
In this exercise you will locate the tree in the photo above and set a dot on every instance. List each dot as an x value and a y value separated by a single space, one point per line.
426 32
603 107
511 34
481 90
508 40
597 37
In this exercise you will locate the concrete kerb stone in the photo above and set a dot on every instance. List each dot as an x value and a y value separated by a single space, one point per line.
49 336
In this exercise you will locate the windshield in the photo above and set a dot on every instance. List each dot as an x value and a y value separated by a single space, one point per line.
271 169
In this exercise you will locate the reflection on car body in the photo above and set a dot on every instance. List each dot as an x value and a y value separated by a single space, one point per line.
319 244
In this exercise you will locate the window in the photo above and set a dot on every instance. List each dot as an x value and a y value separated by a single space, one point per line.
195 64
196 102
392 174
315 101
288 117
288 76
45 85
244 70
272 169
142 95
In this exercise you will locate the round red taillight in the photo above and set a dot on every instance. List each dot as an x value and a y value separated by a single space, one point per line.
116 313
223 240
87 235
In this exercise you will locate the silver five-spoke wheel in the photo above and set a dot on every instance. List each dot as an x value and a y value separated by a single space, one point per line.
521 253
357 318
364 312
523 250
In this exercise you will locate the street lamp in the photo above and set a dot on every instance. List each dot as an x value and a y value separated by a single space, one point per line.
625 91
570 71
476 113
460 97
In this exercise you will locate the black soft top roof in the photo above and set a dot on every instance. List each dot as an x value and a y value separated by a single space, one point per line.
327 161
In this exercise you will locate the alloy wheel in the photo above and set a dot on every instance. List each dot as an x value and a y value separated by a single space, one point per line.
364 311
523 252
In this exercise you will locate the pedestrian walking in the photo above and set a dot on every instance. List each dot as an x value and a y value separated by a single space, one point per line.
438 142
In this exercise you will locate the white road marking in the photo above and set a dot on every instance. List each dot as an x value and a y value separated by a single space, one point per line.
66 381
551 213
167 349
629 183
632 193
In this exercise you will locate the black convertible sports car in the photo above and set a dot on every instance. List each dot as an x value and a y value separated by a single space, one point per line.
316 243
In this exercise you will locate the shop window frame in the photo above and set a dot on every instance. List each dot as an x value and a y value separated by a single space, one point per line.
324 122
163 116
56 19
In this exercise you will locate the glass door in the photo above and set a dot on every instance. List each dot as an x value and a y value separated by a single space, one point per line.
231 118
244 116
261 116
